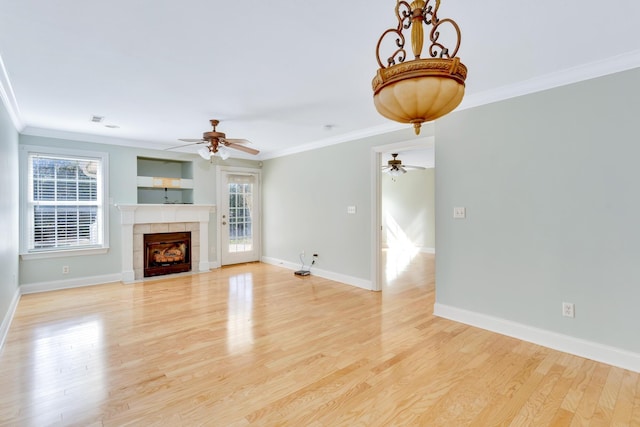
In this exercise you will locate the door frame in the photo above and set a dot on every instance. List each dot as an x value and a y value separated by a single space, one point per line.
257 202
376 197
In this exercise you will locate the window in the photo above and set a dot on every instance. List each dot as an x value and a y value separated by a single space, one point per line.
64 201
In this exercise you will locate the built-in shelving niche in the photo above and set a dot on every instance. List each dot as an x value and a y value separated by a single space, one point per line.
164 181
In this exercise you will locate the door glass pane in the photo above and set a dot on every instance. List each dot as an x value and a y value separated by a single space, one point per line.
240 218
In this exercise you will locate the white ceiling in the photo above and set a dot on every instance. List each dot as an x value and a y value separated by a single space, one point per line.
286 75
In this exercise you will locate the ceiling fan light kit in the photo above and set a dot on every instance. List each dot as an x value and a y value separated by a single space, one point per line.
419 90
396 168
218 144
224 152
396 171
207 153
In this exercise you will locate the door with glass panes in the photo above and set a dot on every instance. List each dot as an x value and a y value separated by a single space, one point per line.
240 218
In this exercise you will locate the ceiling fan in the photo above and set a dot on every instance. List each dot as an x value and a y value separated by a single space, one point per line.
395 168
217 144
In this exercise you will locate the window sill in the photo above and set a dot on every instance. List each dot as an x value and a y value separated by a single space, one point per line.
64 253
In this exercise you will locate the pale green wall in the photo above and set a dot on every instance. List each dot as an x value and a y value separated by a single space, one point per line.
409 200
122 189
8 211
551 186
305 199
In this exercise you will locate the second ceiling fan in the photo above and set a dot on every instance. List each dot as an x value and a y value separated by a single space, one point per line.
395 167
218 143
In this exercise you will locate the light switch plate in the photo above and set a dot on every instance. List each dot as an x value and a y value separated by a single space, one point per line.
351 210
459 213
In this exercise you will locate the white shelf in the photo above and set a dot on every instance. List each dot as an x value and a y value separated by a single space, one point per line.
161 182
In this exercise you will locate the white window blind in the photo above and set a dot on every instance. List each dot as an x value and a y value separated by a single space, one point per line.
65 202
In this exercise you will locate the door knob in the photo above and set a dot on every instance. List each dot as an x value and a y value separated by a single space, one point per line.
224 222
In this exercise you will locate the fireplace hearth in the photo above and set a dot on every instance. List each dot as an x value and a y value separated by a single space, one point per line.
167 253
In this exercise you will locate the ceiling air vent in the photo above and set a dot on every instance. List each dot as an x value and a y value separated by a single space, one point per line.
97 119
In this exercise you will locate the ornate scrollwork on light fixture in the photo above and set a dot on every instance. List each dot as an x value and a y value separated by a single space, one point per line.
419 90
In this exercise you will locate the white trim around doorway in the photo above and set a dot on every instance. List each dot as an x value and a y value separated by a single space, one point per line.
376 196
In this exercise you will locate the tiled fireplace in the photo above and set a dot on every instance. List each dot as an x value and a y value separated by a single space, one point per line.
138 220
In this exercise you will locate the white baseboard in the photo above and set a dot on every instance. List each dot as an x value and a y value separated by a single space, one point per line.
78 282
330 275
565 343
8 317
281 263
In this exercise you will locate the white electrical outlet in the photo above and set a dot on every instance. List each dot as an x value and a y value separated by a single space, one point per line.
568 309
65 269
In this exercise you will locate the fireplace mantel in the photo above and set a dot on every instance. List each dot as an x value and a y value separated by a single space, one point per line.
159 214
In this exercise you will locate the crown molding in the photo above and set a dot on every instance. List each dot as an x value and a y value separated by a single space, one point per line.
592 70
338 139
568 76
87 137
9 98
616 64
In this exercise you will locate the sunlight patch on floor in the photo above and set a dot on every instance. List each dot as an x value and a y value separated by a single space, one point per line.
239 317
63 350
400 250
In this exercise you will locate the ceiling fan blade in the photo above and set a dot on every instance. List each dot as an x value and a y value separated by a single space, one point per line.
200 141
192 140
236 141
408 167
242 148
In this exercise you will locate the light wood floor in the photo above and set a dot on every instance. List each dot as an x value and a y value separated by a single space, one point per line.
254 345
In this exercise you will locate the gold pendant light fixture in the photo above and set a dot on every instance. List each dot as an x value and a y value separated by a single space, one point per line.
419 90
